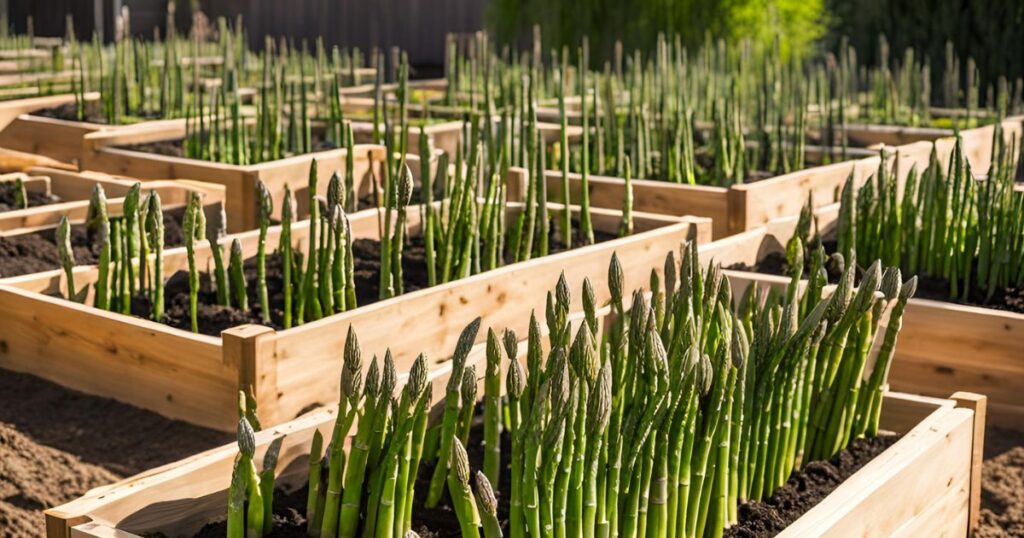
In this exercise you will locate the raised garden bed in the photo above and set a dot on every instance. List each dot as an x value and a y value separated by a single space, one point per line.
933 470
195 377
104 153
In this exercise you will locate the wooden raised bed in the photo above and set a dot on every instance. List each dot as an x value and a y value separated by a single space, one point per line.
102 154
941 345
743 207
926 484
196 377
59 139
731 209
74 189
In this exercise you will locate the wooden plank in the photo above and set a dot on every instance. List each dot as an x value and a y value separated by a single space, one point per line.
921 468
59 139
978 404
176 374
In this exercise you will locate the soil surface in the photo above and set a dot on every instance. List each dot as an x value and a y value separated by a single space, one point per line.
805 489
37 252
1002 486
35 198
56 444
176 148
93 114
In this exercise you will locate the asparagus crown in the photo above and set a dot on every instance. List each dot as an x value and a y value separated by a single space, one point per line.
600 403
511 343
462 349
317 445
154 219
516 380
312 180
405 186
335 194
562 294
460 461
468 389
97 208
67 255
131 200
638 320
236 250
583 356
493 354
273 451
892 281
389 377
288 209
246 438
615 278
705 374
590 304
670 273
740 346
352 368
373 379
485 494
264 202
417 382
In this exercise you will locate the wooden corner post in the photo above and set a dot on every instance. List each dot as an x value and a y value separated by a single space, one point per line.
977 403
252 349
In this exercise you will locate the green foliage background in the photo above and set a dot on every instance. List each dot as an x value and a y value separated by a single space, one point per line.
801 23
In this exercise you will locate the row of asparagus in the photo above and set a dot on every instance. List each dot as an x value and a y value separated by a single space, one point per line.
660 422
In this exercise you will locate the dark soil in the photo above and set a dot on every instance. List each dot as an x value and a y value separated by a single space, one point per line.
35 198
176 148
805 489
56 443
93 114
1002 484
37 252
775 263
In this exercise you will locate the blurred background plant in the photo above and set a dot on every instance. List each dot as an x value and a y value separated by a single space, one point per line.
637 23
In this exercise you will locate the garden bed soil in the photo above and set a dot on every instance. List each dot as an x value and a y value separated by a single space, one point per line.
214 318
1009 299
1002 503
35 199
176 148
805 489
36 252
55 444
93 114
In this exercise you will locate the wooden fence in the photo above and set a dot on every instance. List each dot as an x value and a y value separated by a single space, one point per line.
416 26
